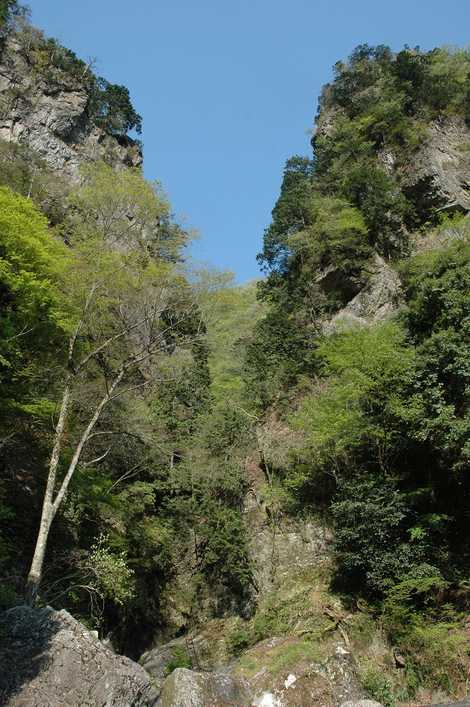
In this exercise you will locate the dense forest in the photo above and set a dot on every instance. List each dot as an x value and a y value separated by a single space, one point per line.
144 400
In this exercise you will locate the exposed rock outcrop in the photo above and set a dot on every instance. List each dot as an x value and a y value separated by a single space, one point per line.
252 682
279 551
443 161
52 117
288 672
49 659
376 302
157 661
439 169
187 688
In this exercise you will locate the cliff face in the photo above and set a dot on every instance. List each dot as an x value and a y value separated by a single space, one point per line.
428 176
49 113
439 166
444 159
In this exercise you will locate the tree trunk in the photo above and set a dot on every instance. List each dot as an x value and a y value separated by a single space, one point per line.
50 504
48 511
35 572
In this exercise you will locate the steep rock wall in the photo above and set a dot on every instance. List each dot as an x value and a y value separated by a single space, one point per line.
50 115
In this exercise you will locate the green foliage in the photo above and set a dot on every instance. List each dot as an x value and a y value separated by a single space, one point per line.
8 597
172 473
429 82
240 638
126 210
438 318
439 655
351 200
25 173
113 577
9 9
111 108
388 425
377 685
420 592
180 659
384 102
228 428
378 414
231 314
376 418
279 350
311 233
32 321
421 616
333 241
371 517
288 213
353 411
6 546
215 507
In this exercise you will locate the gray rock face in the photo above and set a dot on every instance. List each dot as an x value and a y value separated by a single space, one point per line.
444 160
51 117
294 547
186 688
378 301
49 659
157 661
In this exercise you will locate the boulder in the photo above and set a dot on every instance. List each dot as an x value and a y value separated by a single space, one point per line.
158 661
187 688
49 659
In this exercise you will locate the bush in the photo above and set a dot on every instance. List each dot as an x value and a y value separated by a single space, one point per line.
377 685
240 638
180 659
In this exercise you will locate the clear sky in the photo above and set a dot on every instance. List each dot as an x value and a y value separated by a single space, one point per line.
228 90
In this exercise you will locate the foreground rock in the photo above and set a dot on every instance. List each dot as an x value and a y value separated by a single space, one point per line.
49 659
187 688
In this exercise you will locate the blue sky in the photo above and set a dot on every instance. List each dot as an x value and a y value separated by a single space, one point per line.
228 90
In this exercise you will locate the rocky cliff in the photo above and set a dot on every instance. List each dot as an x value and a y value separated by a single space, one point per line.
437 169
47 108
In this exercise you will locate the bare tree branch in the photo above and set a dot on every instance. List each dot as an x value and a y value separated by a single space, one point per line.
97 459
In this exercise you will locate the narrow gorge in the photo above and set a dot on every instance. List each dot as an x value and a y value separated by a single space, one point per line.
221 495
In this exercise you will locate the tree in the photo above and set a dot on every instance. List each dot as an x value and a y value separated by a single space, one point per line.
8 10
111 108
128 310
32 318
